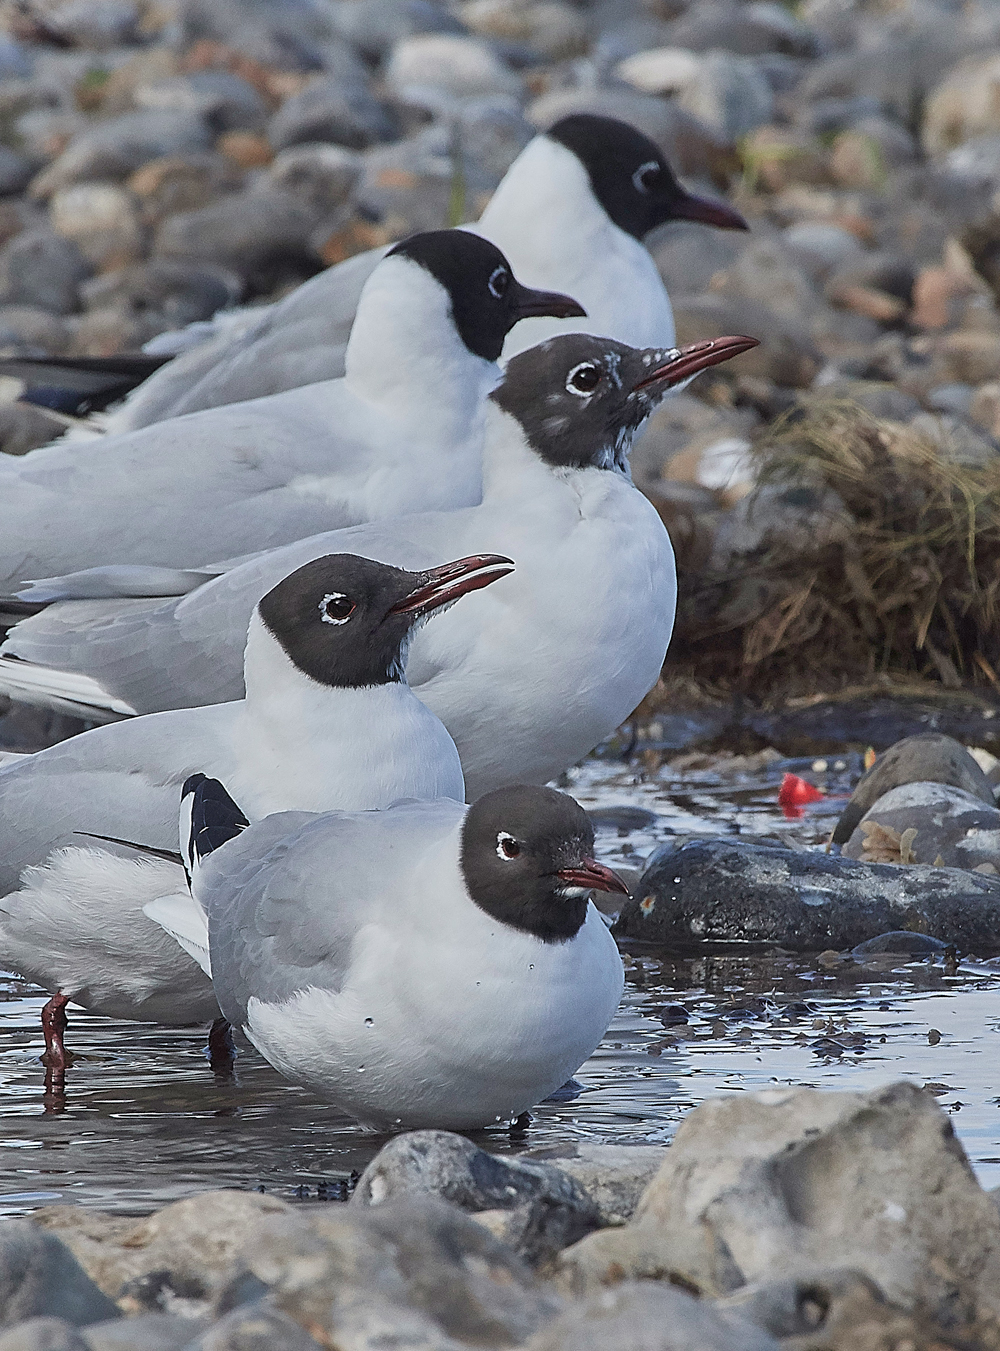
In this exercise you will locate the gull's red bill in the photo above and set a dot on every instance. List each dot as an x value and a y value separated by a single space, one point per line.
593 875
684 362
440 586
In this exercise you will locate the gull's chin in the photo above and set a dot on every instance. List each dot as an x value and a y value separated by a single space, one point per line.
573 893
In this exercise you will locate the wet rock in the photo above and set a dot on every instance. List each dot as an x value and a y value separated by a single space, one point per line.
322 175
900 941
727 891
102 221
929 823
460 67
623 819
643 1315
759 1186
147 1332
263 237
168 294
43 1334
24 427
40 268
554 1210
329 110
416 1268
177 183
254 1328
196 1243
928 757
613 1176
113 149
730 94
39 1276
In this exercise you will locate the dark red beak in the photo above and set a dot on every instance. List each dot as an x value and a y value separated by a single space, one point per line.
593 875
534 304
439 586
684 362
719 214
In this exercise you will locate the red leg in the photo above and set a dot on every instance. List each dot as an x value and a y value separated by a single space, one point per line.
55 1057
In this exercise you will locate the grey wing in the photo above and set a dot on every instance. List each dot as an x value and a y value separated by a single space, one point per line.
93 783
286 898
183 653
296 342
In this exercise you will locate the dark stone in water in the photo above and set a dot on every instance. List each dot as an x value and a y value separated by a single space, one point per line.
672 1014
623 818
728 891
903 941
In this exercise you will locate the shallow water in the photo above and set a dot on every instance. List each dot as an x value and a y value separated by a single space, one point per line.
144 1121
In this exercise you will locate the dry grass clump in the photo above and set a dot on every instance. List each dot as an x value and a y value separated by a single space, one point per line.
864 552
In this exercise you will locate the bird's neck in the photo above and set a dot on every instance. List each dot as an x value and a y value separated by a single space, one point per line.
546 219
406 358
305 746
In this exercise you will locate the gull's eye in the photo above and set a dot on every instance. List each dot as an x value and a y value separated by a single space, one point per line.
645 178
498 282
507 847
336 608
583 379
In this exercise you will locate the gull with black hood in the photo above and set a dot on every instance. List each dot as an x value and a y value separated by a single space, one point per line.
328 722
430 965
402 431
527 677
571 214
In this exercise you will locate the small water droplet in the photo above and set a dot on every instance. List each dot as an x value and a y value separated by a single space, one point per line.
531 966
369 1022
361 1069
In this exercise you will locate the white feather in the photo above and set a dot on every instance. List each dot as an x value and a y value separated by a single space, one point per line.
182 918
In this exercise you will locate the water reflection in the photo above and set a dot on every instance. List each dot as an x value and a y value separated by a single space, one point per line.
144 1119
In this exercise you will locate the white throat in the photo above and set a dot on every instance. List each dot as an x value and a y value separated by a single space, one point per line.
405 354
303 746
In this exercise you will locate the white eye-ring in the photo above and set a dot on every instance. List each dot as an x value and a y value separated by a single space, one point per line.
639 177
336 608
498 282
583 379
507 847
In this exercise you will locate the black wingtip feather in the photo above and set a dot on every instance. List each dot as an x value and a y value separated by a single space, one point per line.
215 817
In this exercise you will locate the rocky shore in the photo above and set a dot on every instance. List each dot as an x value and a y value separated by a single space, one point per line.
791 1218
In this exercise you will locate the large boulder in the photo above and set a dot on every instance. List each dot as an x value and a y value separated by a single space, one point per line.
764 1185
729 891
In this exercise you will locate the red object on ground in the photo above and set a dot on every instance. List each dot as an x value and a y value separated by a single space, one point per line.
794 792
